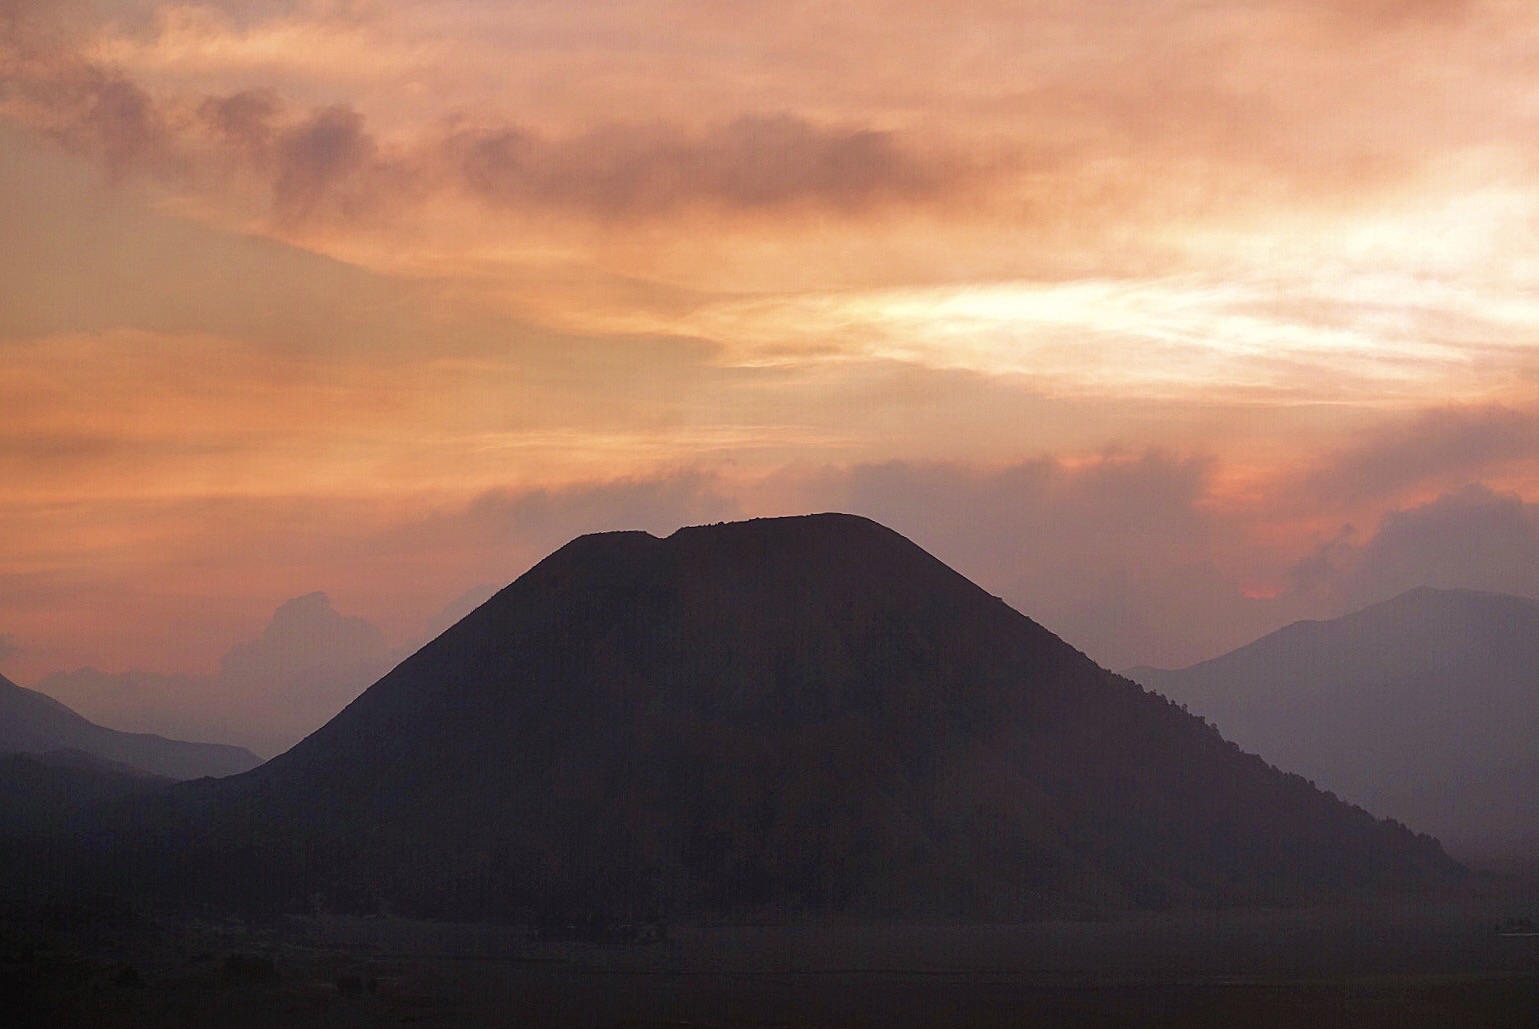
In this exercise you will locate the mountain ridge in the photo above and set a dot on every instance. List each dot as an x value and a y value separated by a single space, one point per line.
1407 706
35 723
799 714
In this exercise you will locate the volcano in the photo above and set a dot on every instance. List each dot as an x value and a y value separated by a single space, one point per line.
805 714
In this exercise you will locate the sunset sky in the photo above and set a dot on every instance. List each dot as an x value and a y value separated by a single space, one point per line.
1168 322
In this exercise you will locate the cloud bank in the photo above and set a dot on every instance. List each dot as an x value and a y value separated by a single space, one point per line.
1472 538
268 693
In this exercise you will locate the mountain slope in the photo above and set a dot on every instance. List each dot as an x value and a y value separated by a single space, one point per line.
32 723
801 713
1422 707
46 793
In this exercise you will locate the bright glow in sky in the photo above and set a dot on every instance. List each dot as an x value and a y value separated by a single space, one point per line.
1163 320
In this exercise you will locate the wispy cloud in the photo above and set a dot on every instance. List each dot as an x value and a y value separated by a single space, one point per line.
1268 341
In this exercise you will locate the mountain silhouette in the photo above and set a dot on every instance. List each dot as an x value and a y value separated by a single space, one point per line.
33 723
46 794
1422 707
793 714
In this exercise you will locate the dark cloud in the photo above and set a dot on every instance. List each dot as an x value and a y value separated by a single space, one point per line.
1106 122
324 158
245 123
328 162
1474 538
752 163
1455 444
47 84
118 121
91 111
331 159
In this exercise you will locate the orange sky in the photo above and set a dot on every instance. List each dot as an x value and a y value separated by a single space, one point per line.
1130 310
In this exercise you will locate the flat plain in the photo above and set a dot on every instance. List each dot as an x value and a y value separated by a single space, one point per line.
1402 965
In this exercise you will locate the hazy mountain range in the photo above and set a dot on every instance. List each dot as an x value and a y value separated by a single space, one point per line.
1423 708
31 723
778 715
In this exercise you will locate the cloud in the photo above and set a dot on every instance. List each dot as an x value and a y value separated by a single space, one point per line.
306 639
245 123
327 146
637 171
1456 443
327 161
1475 538
1472 538
269 692
645 101
118 121
8 647
1028 143
87 109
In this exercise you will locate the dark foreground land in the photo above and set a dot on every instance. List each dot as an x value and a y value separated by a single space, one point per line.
1399 966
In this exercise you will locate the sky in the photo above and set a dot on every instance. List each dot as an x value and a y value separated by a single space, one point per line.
1169 323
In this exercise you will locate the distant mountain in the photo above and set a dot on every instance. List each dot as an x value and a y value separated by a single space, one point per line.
784 714
1424 708
32 723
